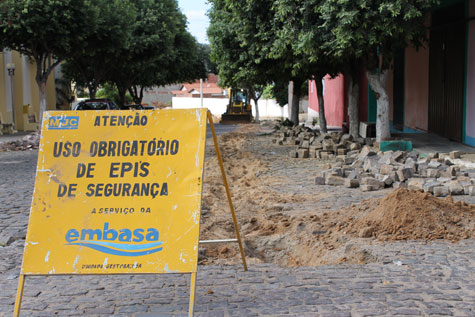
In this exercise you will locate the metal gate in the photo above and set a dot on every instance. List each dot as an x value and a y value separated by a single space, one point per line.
447 71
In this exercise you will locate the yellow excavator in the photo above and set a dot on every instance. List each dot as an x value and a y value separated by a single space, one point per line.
239 108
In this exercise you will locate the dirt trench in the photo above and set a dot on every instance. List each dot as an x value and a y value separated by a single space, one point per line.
283 221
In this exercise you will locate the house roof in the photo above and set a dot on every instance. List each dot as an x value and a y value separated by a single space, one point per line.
209 87
207 90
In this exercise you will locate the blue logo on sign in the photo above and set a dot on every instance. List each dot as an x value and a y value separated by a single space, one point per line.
63 123
125 242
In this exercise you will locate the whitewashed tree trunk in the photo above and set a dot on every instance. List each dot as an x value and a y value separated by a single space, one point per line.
44 67
378 83
255 93
353 107
290 93
256 102
42 90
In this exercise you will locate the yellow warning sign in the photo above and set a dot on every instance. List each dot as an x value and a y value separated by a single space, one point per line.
117 192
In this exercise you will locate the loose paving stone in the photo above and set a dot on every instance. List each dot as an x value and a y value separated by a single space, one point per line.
415 183
404 173
402 167
440 191
351 183
455 188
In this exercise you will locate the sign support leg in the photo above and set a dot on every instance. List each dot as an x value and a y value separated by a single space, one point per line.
228 193
19 295
192 294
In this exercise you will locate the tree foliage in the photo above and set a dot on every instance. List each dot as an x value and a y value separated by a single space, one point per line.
373 32
130 43
259 42
278 40
300 46
91 61
160 50
240 63
204 51
48 31
110 91
281 93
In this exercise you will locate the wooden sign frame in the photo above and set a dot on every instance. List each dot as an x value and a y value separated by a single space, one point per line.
22 277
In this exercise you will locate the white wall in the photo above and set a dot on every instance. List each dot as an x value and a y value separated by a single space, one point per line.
311 114
268 108
217 106
162 94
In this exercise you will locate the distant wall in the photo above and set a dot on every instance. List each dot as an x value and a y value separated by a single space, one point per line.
334 98
268 108
25 89
161 95
217 106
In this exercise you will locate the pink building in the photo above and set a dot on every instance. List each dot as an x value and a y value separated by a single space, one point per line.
431 90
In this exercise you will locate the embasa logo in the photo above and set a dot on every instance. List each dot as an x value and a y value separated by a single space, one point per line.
63 123
104 240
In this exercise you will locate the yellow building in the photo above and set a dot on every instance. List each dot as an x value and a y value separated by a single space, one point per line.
26 97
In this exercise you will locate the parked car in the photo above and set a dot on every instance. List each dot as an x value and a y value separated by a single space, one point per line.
97 104
137 107
132 106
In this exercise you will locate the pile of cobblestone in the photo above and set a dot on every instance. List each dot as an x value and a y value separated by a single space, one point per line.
28 142
326 146
359 164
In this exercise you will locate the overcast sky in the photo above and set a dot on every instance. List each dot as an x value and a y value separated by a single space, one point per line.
198 22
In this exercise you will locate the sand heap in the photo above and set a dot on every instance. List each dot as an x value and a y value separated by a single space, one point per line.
412 215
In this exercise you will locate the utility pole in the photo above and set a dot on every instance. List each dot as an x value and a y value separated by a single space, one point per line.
201 91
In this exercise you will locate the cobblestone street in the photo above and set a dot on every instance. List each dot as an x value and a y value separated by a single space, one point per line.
409 278
218 158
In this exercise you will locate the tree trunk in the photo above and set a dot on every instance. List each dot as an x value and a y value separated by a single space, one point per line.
353 106
122 91
256 100
139 99
44 67
378 84
92 91
137 94
294 107
42 89
321 105
255 94
290 93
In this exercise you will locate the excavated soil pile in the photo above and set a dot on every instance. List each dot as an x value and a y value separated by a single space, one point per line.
275 232
412 215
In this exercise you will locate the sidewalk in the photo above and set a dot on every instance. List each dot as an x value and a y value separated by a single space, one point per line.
430 142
